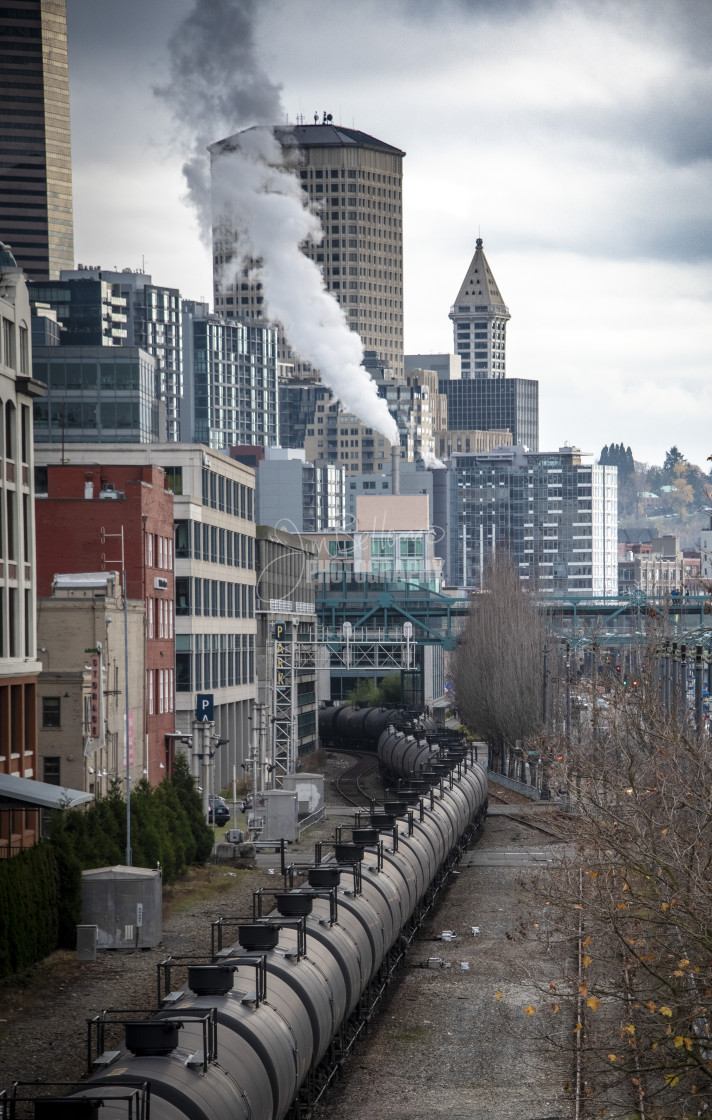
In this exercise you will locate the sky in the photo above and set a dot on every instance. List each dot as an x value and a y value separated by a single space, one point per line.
573 136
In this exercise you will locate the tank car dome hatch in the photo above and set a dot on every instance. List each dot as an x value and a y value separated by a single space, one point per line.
364 835
294 905
258 938
348 853
324 878
211 979
156 1037
383 820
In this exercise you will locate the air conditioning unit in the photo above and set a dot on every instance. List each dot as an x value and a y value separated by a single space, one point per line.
160 583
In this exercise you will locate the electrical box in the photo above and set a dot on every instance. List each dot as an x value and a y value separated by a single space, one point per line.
86 942
310 791
276 814
125 903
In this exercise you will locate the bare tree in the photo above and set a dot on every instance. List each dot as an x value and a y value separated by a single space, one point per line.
635 897
498 671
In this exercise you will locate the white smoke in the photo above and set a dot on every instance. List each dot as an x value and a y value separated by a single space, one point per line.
217 88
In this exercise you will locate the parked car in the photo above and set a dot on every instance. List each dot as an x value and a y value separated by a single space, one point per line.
218 810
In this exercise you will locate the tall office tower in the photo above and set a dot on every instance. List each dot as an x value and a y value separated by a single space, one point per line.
354 182
479 316
230 367
35 149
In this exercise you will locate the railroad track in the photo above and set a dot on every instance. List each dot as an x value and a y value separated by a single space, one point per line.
351 784
523 819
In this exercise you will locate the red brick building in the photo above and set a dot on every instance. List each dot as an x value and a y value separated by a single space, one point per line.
98 518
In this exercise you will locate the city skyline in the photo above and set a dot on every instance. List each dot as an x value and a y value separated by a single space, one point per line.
572 138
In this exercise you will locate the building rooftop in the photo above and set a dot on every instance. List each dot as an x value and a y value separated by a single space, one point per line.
317 136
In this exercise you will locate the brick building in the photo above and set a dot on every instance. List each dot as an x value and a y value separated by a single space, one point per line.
96 517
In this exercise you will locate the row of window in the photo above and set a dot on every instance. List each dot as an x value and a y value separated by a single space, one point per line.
196 540
160 691
205 666
226 495
160 610
212 598
162 549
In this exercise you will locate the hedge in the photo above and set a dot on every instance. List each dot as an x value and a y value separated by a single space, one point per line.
40 888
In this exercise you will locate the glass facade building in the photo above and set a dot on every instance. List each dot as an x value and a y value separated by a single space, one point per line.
35 143
230 372
553 515
96 395
482 404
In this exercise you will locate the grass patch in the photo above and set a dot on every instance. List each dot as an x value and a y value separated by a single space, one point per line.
200 884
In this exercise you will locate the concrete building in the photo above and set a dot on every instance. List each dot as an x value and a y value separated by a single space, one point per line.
448 367
429 379
392 539
212 519
108 516
414 478
479 317
35 143
19 665
84 613
297 496
452 443
231 392
553 515
653 564
354 181
483 404
97 395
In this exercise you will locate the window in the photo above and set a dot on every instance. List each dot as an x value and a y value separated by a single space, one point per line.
50 773
411 546
341 548
51 711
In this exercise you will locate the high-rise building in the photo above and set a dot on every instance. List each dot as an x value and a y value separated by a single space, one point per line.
479 316
231 392
96 307
354 182
553 515
35 147
482 404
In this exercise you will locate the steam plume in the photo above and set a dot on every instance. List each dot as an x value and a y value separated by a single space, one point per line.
217 87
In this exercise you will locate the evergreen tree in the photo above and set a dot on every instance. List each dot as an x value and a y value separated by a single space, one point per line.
672 458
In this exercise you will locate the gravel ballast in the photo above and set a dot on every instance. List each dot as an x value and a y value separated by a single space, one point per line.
443 1046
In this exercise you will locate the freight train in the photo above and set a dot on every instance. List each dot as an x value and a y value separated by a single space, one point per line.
258 1030
407 743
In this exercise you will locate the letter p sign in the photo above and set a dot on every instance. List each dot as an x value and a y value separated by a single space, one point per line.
205 708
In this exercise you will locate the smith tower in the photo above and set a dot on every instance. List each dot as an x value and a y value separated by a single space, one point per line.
479 316
35 148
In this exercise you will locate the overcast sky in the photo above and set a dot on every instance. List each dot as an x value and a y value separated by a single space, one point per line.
574 137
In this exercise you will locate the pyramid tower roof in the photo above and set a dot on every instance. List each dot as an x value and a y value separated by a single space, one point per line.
480 285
